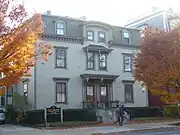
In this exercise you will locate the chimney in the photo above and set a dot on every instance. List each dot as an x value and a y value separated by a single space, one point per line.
83 18
48 12
154 9
170 9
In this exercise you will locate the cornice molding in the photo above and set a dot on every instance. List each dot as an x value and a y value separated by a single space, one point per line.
63 39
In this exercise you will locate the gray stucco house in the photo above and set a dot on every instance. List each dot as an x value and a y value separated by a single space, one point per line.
91 66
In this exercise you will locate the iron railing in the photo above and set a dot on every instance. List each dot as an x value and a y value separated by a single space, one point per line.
100 105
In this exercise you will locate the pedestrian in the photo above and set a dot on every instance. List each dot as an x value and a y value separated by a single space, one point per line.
117 115
121 114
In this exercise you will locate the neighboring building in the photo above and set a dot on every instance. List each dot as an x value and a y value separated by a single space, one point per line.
157 19
91 66
5 95
160 19
174 20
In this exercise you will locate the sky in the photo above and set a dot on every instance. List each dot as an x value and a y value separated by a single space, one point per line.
114 12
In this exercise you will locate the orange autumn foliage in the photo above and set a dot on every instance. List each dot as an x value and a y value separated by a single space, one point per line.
20 44
158 63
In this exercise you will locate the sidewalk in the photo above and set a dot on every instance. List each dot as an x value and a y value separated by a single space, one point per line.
113 129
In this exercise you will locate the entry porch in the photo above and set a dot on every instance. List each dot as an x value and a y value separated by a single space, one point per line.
98 91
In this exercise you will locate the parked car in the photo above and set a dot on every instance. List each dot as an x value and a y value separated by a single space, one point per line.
2 116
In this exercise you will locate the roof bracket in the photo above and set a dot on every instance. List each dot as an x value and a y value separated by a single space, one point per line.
102 79
87 79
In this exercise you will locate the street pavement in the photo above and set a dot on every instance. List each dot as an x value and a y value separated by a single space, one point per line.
154 133
19 130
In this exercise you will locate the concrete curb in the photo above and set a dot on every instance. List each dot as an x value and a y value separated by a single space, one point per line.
139 131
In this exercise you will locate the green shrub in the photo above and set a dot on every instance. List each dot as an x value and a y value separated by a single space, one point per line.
14 115
11 114
79 115
33 117
21 115
172 111
20 101
37 116
137 112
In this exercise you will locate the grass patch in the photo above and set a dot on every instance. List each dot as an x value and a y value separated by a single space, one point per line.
69 124
153 118
176 124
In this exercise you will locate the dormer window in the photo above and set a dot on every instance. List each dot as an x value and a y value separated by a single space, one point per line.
101 36
126 38
90 35
60 28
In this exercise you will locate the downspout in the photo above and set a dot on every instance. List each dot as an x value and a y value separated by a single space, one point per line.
164 21
35 81
167 23
35 86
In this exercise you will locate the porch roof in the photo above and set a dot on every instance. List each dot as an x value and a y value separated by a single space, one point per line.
99 76
97 48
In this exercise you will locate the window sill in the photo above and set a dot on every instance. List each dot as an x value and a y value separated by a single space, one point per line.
103 70
60 35
90 40
90 69
61 68
101 42
127 44
129 102
127 71
64 103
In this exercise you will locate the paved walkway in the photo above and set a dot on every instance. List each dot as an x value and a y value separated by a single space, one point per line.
18 130
171 132
110 129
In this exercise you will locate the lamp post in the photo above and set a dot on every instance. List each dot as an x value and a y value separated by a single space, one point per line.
143 86
144 90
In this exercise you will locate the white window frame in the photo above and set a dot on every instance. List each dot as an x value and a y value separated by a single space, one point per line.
25 90
101 38
126 35
61 101
124 63
10 96
103 93
90 60
60 28
132 92
61 58
103 61
89 90
89 39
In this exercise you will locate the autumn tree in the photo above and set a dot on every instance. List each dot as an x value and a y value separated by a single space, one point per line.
157 64
20 44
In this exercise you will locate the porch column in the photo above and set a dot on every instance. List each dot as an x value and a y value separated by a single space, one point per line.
83 92
110 90
98 92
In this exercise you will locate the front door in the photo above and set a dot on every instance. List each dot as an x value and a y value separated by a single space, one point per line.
103 93
90 93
